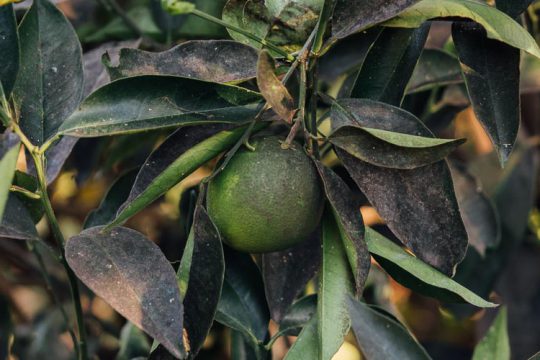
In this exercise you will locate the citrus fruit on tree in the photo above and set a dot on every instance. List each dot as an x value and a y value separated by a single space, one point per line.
268 199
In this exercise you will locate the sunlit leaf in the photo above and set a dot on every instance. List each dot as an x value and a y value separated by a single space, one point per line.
9 153
50 80
497 24
133 276
306 345
495 345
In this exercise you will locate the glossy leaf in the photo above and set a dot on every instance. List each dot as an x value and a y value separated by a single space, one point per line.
219 61
350 223
17 223
306 345
390 65
336 283
133 343
205 280
9 48
298 315
9 153
435 68
351 16
477 210
50 80
115 197
495 345
133 276
381 337
175 159
391 149
417 275
419 205
297 265
491 71
286 23
242 305
497 24
152 102
275 93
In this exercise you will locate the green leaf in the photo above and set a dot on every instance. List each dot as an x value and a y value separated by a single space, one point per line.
242 305
381 337
497 24
133 343
50 80
513 8
9 153
298 315
350 223
535 356
180 160
115 197
17 223
133 276
207 267
415 274
220 61
391 149
152 102
351 16
273 90
491 71
9 48
30 183
298 265
435 68
336 283
306 345
419 204
496 344
286 23
390 64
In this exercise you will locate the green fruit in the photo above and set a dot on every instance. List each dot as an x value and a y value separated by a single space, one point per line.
266 200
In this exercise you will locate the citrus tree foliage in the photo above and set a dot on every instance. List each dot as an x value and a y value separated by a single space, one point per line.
354 108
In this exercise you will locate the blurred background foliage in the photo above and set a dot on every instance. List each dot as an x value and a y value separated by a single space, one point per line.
31 327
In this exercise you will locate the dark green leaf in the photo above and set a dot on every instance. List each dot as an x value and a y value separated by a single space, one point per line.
287 272
419 205
56 157
477 210
381 337
351 16
152 102
306 345
205 280
30 183
50 81
273 90
115 197
498 25
9 153
6 326
17 223
298 315
417 275
336 283
535 356
166 22
240 349
181 154
435 68
242 305
9 48
491 71
218 61
495 345
390 149
131 273
350 223
513 8
286 23
133 343
390 65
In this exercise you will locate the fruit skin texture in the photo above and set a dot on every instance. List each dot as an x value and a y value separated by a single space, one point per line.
266 200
